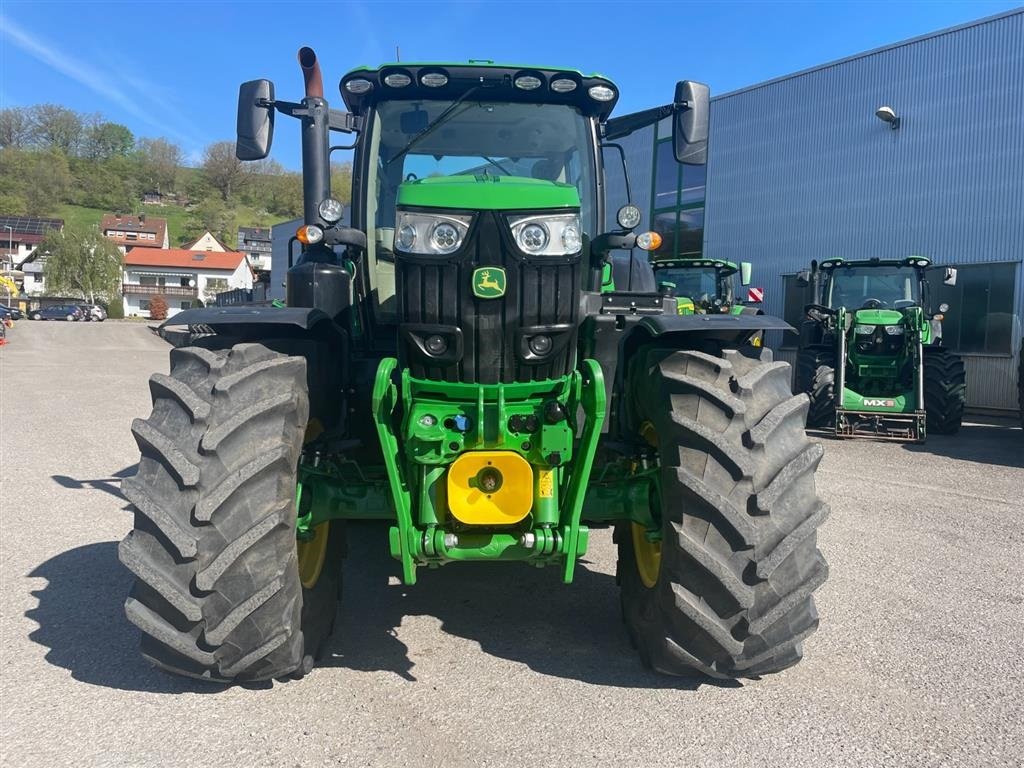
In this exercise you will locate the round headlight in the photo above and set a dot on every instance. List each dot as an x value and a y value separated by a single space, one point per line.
406 237
648 241
943 307
601 93
358 85
528 82
540 345
331 210
397 80
445 237
628 216
434 79
436 344
533 237
571 239
563 85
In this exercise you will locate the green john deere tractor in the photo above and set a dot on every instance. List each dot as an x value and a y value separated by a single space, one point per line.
700 285
448 363
896 381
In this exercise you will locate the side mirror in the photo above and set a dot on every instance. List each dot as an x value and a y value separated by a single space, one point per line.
950 277
803 278
746 268
692 106
255 127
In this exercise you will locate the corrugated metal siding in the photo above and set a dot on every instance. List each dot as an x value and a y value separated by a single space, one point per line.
801 168
639 149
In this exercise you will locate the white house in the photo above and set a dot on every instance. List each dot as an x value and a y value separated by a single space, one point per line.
207 242
181 276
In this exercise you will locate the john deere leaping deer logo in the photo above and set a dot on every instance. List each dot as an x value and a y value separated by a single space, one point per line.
489 282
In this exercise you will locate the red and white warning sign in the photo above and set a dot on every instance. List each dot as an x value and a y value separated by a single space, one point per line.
755 294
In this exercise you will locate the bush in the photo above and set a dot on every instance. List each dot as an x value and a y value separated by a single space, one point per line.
115 308
158 308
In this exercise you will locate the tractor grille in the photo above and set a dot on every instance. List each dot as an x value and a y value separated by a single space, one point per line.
487 341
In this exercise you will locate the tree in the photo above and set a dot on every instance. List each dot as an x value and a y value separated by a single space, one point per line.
81 262
158 164
56 127
103 140
222 170
40 179
158 308
211 215
15 127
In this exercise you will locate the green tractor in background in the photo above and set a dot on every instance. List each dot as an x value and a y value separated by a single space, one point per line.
701 285
871 359
450 364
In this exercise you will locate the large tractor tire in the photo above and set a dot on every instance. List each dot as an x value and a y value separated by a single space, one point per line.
816 377
222 589
727 590
945 390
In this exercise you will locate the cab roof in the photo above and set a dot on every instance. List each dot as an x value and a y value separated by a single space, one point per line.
364 86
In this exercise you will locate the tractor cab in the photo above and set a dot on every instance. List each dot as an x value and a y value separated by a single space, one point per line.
701 286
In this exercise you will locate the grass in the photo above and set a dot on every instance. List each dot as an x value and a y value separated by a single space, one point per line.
176 215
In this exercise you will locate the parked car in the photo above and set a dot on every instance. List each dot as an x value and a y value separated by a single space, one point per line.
12 312
93 312
57 312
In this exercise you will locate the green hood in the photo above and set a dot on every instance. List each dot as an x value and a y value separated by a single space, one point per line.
487 193
878 317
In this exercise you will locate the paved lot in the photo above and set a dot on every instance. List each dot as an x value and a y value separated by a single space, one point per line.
918 661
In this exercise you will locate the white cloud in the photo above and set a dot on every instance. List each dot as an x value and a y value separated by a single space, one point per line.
136 101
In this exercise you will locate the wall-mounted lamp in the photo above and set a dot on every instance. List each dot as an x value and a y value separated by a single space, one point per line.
888 115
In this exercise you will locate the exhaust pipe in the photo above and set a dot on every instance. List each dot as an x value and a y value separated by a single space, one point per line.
316 153
311 72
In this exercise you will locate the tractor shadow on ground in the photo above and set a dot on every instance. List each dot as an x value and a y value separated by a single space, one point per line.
82 623
513 611
111 485
984 441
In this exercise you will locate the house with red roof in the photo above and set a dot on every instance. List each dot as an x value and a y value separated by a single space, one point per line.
183 277
140 231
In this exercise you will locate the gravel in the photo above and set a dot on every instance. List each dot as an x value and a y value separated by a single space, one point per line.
917 662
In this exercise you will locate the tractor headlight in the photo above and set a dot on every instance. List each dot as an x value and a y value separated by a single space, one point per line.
331 210
864 330
558 235
894 330
431 234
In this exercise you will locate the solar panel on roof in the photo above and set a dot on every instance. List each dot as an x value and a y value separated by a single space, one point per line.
29 225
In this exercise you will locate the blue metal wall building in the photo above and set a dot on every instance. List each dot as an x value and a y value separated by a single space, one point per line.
800 168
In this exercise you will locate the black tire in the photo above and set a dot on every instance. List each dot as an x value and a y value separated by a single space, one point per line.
945 390
816 378
739 516
217 592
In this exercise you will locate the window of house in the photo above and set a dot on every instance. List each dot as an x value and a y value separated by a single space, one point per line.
980 318
132 236
144 305
147 280
185 305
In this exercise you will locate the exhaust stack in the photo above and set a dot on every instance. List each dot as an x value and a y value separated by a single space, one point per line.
311 72
316 152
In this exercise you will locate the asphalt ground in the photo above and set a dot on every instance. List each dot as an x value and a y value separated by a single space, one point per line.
917 662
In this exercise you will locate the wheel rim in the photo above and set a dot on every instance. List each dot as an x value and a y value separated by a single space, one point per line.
312 554
647 553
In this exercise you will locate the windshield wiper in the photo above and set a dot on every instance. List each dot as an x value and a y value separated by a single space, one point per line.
430 128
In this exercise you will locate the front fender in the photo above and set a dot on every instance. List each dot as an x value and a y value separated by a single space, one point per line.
218 318
716 326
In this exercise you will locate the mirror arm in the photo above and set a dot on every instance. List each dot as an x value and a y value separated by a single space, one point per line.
618 127
345 122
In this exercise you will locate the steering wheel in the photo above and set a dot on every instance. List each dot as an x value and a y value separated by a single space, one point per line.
873 304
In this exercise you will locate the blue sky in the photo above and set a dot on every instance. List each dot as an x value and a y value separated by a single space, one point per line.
173 68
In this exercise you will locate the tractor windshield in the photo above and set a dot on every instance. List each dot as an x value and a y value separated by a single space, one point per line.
701 284
420 139
891 286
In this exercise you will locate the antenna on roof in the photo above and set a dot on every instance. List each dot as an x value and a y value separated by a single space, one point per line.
398 55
